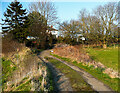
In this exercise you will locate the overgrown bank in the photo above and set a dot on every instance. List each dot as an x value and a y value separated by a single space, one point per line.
23 70
100 58
37 80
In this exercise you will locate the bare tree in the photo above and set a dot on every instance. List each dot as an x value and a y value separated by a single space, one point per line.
90 27
46 9
101 24
108 18
83 18
70 31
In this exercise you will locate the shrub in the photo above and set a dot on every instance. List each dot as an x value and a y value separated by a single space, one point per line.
10 46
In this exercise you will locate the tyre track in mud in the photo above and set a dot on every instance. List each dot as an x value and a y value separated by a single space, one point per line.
93 82
61 83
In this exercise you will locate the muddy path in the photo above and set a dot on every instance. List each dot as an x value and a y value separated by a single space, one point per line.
95 84
61 83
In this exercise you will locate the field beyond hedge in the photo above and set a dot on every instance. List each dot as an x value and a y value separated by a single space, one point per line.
108 57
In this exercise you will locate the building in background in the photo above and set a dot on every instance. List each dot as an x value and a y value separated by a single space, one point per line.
53 31
77 35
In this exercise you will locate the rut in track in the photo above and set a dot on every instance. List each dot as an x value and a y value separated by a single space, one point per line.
61 82
95 84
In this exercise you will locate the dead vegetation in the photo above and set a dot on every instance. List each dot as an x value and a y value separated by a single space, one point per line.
74 52
27 65
77 53
10 46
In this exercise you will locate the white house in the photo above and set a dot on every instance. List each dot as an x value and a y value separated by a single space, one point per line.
30 37
53 31
57 33
61 33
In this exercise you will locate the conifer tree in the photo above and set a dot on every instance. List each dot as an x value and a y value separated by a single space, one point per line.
16 21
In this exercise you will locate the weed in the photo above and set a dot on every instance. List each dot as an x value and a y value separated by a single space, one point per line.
17 56
40 78
24 87
6 71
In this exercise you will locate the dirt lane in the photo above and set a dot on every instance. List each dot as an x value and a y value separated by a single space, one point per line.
95 84
61 82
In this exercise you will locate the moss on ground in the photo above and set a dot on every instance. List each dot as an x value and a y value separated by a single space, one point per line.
77 82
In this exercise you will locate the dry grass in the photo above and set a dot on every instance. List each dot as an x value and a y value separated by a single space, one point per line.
26 64
74 52
10 46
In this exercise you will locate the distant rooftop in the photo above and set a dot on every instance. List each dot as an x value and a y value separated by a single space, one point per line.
52 29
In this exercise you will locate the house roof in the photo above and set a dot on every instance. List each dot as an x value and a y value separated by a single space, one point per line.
52 29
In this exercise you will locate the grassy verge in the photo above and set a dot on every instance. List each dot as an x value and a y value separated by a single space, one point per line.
76 80
24 86
50 80
7 68
97 73
108 56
